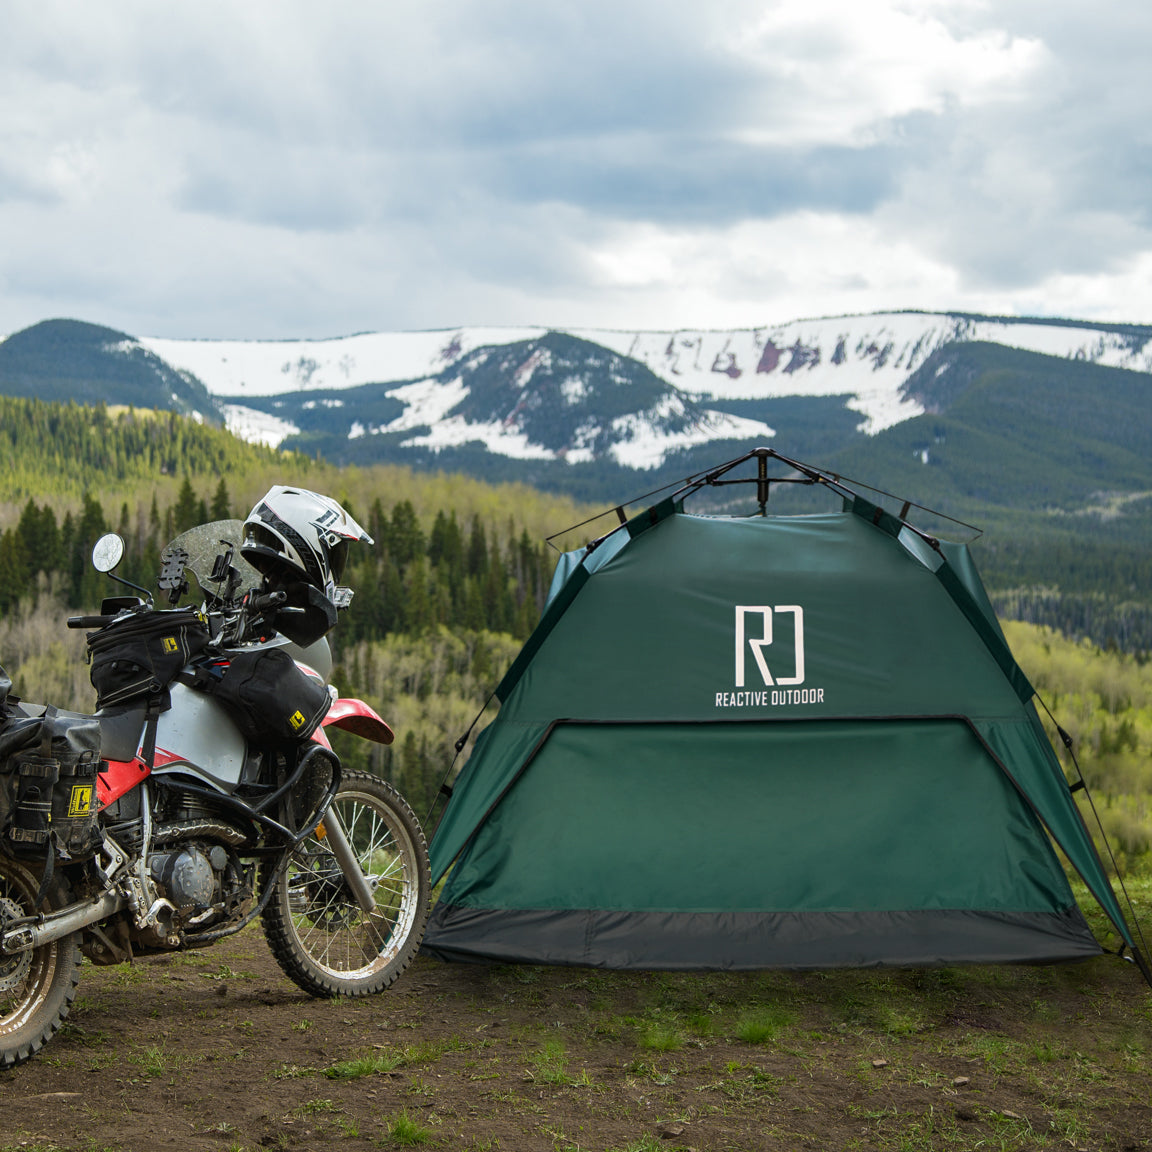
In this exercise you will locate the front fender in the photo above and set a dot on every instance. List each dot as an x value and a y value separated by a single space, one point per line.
358 718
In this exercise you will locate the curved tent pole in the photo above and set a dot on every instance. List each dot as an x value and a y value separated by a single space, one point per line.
717 477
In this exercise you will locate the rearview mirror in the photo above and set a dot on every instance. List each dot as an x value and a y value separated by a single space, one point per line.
107 552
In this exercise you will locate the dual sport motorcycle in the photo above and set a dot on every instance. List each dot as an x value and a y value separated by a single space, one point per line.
203 793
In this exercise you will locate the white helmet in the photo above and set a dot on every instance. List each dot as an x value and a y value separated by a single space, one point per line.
293 534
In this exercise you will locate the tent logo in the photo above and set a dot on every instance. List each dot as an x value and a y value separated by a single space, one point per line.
746 639
760 627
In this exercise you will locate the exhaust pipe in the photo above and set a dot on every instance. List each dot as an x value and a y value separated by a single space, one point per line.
56 925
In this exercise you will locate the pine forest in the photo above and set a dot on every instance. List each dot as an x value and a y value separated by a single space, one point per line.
455 582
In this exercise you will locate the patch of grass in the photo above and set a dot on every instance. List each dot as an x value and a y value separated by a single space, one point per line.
550 1065
315 1107
700 1023
647 1143
389 1060
294 1072
402 1130
223 972
660 1037
359 1066
420 1087
896 1022
744 1084
156 1060
761 1025
348 1127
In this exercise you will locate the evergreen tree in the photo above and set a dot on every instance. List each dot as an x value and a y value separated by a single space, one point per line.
419 602
185 514
14 579
221 502
393 613
30 538
477 558
405 538
87 585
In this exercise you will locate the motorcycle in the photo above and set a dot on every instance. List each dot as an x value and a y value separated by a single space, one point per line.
202 794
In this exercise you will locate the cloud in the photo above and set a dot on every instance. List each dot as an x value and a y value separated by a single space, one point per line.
283 168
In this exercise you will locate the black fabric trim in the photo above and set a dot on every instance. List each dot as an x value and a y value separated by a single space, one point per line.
751 940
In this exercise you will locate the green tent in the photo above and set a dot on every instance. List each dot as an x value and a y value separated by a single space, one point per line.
770 741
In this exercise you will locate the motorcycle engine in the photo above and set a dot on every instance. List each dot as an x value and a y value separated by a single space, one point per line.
188 876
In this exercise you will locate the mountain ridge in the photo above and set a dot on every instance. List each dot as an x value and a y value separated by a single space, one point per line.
600 411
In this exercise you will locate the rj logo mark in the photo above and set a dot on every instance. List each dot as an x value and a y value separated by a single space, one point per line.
170 644
758 635
297 721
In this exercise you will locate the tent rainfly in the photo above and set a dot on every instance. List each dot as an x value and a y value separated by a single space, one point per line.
770 741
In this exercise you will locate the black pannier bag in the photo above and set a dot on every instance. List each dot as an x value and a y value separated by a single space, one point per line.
48 767
271 700
141 655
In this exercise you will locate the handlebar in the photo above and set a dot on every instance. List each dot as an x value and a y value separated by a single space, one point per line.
89 621
269 600
256 604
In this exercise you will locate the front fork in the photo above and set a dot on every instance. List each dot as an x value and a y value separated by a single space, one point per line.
331 832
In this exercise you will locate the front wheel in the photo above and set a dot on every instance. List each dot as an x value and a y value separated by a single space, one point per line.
317 931
37 987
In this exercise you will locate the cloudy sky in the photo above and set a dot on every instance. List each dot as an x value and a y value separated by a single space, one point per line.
271 169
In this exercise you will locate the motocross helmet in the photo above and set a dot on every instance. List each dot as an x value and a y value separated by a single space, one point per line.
294 535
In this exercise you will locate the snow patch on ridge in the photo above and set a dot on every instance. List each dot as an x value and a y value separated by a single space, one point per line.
644 444
502 439
270 367
257 427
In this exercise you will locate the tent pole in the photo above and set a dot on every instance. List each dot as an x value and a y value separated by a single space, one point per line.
762 481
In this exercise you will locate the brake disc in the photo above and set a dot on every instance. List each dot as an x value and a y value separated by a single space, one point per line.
13 969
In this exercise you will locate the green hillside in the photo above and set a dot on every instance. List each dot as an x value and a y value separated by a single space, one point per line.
71 360
1012 429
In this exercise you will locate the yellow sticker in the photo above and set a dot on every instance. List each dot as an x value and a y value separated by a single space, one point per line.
297 721
170 644
80 802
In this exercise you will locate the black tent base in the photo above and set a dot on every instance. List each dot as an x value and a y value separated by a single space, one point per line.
751 940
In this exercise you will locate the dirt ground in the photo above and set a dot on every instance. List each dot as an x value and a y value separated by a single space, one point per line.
218 1050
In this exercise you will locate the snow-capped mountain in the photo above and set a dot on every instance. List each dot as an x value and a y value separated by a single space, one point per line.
553 397
568 399
716 376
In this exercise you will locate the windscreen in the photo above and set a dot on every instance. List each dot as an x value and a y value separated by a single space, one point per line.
205 543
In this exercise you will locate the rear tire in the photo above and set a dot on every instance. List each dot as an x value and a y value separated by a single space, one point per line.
315 928
37 987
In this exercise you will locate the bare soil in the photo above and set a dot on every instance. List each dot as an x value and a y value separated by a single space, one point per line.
218 1050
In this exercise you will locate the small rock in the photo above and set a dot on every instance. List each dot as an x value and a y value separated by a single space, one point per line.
880 1063
671 1129
1011 1115
960 1081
